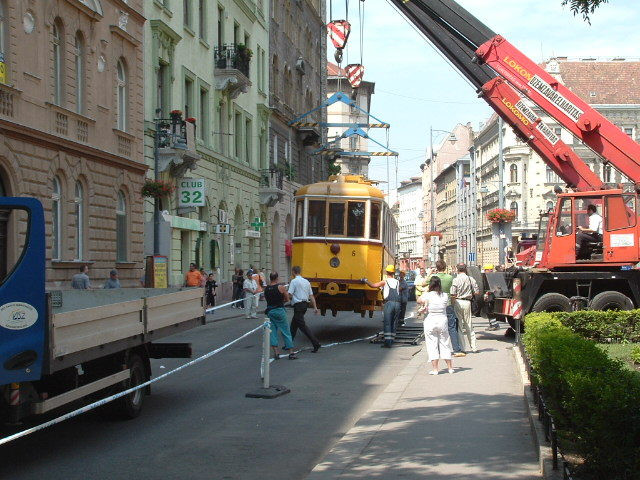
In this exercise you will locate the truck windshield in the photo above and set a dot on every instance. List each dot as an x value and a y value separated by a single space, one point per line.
542 231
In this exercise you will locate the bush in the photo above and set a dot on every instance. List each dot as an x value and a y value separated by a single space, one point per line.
604 326
593 399
635 354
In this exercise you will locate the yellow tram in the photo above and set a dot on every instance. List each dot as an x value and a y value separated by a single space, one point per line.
344 231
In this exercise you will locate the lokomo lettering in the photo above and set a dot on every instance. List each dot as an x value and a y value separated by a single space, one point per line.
515 111
523 72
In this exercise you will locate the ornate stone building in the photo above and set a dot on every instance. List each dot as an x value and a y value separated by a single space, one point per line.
70 132
297 84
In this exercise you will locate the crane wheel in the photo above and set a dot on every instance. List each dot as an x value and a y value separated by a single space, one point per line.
611 301
552 302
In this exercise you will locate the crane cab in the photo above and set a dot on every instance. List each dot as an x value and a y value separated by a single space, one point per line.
590 229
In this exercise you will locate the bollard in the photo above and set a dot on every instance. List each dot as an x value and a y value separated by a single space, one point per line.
267 391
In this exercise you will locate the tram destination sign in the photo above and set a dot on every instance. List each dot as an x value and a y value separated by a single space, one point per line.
191 192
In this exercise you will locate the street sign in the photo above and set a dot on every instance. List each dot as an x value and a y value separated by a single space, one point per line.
191 192
257 225
472 256
252 234
222 228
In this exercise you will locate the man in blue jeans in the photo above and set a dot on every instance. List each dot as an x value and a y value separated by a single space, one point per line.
391 292
446 280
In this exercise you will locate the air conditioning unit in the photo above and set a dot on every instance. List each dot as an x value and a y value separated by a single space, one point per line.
301 65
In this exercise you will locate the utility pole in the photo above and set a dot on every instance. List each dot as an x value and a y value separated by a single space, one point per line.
473 204
432 201
156 201
501 252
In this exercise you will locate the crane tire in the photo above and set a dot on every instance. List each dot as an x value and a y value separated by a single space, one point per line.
611 300
552 302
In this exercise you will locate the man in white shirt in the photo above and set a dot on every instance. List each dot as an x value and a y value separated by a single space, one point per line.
301 294
463 289
250 288
591 234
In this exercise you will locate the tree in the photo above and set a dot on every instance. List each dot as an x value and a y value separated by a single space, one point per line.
584 7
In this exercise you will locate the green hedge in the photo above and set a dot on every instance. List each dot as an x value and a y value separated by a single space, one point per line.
604 326
594 400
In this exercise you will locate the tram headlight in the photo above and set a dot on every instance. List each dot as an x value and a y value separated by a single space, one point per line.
335 248
334 262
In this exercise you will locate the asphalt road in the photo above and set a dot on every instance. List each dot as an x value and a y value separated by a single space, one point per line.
197 424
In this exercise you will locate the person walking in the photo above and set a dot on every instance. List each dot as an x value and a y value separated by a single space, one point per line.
421 281
301 294
446 280
193 277
391 294
250 289
203 277
436 330
238 281
112 281
80 281
404 297
276 295
210 291
462 290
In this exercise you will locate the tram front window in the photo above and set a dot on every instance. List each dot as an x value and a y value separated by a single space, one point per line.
316 218
374 227
355 219
336 219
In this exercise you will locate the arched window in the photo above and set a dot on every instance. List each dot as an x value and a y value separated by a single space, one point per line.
513 173
121 228
122 96
79 53
514 209
549 206
79 212
58 62
56 219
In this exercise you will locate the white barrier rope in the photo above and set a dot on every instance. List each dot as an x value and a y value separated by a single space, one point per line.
104 401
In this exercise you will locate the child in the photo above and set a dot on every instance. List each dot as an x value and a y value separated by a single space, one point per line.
210 290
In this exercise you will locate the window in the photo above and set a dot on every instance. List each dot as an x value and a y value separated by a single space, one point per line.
514 208
121 228
621 212
275 149
160 90
565 222
56 219
122 96
606 174
558 131
316 218
79 213
202 19
299 218
374 224
238 134
549 206
3 31
79 73
188 97
628 131
355 219
513 173
58 63
551 176
248 137
336 218
203 121
220 26
186 11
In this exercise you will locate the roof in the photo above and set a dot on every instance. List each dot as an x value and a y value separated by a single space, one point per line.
334 70
342 185
610 82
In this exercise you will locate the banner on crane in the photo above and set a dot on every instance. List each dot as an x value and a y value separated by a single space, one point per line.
339 31
355 72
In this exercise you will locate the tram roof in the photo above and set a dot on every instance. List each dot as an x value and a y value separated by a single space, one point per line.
343 185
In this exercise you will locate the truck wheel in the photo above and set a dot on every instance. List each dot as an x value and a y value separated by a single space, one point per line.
611 301
130 405
552 302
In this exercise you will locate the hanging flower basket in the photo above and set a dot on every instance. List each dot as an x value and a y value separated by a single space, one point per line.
500 215
433 234
191 120
157 188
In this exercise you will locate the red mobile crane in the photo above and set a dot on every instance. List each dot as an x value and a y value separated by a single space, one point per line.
510 82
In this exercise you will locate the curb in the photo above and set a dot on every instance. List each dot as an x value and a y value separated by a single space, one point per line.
543 448
358 437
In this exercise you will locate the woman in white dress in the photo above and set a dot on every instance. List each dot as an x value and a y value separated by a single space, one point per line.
436 332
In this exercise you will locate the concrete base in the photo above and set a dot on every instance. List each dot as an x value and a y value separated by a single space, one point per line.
272 392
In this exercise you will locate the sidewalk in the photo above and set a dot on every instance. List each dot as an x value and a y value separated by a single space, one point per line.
467 425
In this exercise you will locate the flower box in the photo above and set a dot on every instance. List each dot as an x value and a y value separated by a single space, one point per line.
157 188
501 215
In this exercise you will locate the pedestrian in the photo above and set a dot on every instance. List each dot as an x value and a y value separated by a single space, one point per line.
391 294
462 290
404 297
263 278
238 281
436 330
210 290
193 277
80 281
276 295
250 289
446 280
112 281
421 281
301 294
255 275
203 277
493 322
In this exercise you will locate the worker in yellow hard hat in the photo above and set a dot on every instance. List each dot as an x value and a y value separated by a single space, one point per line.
488 268
391 291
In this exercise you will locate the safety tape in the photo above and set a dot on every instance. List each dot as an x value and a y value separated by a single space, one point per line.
104 401
328 345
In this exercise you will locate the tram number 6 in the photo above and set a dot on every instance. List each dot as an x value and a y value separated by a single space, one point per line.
353 253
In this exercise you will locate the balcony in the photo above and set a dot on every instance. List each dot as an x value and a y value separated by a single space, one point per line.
271 188
176 145
231 68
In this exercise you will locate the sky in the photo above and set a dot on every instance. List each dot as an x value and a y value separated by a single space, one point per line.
417 89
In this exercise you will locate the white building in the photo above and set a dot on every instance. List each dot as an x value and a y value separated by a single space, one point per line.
410 227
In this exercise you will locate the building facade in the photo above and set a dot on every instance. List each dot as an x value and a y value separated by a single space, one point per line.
297 84
70 133
410 226
342 113
208 62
